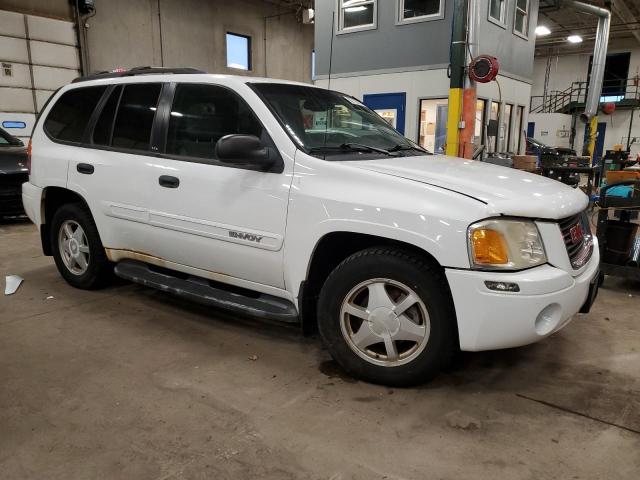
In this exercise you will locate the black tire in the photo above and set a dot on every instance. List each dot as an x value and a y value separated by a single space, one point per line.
99 270
425 279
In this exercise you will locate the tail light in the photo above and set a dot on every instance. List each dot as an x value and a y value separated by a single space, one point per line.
29 158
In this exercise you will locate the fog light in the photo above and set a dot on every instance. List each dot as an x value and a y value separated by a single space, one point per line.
502 286
548 319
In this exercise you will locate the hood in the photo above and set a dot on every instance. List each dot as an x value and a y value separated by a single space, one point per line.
505 191
13 159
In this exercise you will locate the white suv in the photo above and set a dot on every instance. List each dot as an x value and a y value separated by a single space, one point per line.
290 202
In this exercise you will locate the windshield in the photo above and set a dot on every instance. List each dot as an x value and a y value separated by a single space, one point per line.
327 122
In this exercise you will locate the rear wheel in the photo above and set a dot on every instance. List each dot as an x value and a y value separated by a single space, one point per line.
387 317
77 249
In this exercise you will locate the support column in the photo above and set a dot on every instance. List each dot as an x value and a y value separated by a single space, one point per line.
456 85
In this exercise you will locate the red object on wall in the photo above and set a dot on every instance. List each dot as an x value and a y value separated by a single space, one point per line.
484 68
608 108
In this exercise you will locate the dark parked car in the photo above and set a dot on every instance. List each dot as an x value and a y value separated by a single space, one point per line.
13 173
536 147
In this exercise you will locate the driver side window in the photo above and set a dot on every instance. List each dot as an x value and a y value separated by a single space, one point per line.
203 114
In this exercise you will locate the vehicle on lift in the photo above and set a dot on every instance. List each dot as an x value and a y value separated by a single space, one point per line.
224 190
13 173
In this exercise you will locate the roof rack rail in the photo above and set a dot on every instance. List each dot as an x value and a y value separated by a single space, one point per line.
138 71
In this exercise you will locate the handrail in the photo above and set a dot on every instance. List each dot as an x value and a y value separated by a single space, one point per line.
558 100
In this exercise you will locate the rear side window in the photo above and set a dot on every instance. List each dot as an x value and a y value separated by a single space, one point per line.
71 113
104 126
202 114
134 121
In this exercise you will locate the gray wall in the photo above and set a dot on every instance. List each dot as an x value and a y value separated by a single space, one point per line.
392 46
128 33
514 53
389 46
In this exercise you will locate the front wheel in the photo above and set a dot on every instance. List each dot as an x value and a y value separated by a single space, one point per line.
387 317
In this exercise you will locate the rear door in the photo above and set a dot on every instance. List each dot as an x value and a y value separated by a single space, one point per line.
111 173
226 219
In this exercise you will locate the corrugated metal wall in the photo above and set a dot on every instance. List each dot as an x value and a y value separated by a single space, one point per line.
37 56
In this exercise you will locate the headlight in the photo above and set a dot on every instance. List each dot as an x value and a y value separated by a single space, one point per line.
505 245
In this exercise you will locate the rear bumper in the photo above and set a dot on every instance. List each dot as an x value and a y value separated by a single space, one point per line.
548 299
32 201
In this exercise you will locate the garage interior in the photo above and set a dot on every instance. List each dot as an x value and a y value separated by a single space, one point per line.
131 382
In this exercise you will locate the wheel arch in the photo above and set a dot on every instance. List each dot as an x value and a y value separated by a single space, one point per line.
52 199
330 250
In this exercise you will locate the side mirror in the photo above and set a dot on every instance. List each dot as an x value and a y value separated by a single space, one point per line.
243 150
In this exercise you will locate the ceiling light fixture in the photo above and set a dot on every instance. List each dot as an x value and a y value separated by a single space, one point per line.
574 39
541 31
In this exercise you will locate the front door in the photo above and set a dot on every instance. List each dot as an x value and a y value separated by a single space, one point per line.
390 106
227 219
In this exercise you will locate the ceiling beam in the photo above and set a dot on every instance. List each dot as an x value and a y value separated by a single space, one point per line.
622 10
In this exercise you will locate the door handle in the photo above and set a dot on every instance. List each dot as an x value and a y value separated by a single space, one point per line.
168 181
85 168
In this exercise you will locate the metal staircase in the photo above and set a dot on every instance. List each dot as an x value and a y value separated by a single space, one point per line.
624 93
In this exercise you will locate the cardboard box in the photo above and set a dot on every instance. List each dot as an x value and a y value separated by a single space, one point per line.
525 162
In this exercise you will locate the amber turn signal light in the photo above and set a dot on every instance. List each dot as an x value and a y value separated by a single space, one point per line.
489 247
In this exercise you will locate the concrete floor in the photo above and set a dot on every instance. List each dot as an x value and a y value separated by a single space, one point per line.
130 383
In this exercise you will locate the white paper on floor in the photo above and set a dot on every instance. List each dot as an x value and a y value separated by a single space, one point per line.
13 282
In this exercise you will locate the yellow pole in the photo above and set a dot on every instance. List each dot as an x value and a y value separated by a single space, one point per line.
453 121
593 133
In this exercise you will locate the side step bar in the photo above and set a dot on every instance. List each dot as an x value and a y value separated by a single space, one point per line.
201 290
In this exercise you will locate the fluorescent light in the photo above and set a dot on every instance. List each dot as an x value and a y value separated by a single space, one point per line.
355 9
574 39
541 31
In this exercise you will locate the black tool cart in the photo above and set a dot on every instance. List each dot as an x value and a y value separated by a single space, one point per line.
619 242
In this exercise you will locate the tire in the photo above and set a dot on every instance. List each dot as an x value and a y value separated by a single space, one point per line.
389 351
97 270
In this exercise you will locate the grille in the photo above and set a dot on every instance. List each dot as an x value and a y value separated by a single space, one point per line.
579 250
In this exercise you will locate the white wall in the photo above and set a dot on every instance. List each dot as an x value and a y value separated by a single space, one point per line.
427 84
552 129
571 68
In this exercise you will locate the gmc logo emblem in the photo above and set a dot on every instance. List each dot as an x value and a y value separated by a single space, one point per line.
577 233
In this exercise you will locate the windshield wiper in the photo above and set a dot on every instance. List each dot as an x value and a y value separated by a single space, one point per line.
351 147
405 146
361 147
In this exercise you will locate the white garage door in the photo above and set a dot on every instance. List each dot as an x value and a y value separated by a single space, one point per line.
37 55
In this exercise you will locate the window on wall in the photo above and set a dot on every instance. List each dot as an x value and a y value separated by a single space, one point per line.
492 129
433 124
357 15
313 64
238 51
521 22
478 134
520 128
507 123
410 11
497 10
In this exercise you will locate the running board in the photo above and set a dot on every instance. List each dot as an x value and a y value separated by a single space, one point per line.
203 291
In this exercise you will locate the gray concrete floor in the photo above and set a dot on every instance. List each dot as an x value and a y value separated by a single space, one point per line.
129 383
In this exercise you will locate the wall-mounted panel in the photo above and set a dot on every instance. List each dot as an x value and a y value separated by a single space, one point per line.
54 55
50 30
19 77
11 24
16 100
13 49
51 78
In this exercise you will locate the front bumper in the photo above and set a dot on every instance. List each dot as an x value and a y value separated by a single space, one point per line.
548 299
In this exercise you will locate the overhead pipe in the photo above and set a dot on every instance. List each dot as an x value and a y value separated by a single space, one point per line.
590 114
